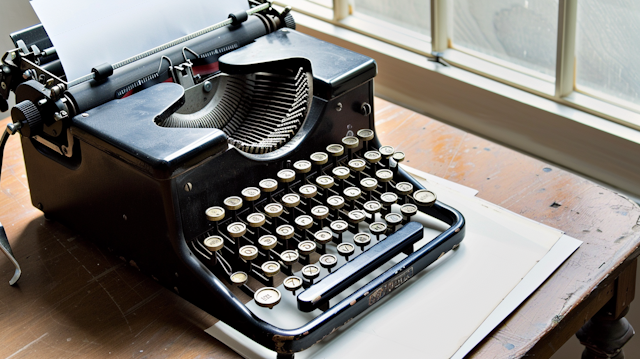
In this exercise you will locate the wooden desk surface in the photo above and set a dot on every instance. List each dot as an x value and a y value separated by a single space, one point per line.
78 300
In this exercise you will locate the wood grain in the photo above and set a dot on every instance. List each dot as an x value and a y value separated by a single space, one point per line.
79 300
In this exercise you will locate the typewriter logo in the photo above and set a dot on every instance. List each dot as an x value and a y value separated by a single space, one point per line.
390 285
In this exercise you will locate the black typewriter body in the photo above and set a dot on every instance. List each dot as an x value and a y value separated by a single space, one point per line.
142 190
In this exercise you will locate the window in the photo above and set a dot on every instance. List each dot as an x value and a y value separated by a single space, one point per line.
584 49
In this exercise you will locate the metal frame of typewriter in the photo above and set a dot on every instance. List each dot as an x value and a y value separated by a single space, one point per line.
110 172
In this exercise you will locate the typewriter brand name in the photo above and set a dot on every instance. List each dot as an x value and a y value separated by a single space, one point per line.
390 285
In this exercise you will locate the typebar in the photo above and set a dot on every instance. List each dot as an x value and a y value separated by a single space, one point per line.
318 295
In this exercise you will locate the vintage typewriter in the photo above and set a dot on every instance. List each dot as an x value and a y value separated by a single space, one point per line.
259 175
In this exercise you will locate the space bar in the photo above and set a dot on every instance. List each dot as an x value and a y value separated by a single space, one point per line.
330 286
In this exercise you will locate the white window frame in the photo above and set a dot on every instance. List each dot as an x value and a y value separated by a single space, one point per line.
551 121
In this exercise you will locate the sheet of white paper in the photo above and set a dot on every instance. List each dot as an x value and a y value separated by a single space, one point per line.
87 33
437 311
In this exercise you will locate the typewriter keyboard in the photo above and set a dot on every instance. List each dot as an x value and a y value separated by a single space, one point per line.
315 217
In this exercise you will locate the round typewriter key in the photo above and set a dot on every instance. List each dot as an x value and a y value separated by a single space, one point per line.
356 216
339 227
256 220
250 194
302 166
308 191
239 278
350 142
388 198
346 249
404 189
233 203
310 272
285 231
398 156
236 229
386 151
424 198
378 228
352 193
289 257
268 242
292 283
325 181
267 297
306 247
365 134
273 209
362 240
328 261
215 214
319 158
286 175
369 184
384 176
270 268
248 253
393 219
372 207
335 150
320 212
357 165
341 172
214 243
409 210
372 156
268 185
323 236
291 200
303 223
335 202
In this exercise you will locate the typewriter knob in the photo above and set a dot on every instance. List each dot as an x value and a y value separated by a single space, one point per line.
289 257
239 278
214 243
214 214
346 249
270 268
409 210
306 247
267 297
310 272
27 117
292 283
328 261
268 242
323 236
424 198
248 253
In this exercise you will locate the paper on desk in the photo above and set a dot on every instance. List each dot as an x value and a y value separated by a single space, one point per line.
436 312
89 33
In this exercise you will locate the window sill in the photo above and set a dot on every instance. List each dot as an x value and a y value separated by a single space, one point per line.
561 131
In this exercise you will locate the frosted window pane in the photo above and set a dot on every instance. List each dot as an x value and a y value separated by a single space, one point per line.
523 32
608 48
414 15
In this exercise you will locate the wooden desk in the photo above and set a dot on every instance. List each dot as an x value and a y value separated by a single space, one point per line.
78 300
